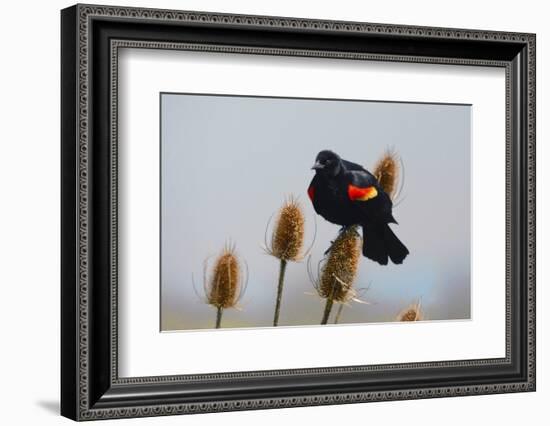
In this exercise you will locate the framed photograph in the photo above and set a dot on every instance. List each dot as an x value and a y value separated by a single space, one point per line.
263 212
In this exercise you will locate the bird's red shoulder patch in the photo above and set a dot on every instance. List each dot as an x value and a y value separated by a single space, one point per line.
311 192
356 193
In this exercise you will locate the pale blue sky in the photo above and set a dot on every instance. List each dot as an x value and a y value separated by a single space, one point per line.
227 164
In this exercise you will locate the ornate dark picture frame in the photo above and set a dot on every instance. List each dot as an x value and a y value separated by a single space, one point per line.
90 385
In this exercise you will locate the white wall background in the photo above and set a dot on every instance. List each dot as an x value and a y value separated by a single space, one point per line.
29 225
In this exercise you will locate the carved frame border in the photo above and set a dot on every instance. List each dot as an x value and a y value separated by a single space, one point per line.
85 13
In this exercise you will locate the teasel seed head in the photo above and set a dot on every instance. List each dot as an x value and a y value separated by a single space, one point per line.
340 268
387 171
224 286
287 240
413 312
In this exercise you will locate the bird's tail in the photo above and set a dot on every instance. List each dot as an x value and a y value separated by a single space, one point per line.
379 243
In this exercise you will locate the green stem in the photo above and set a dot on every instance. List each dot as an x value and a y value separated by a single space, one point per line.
338 313
282 270
219 313
326 314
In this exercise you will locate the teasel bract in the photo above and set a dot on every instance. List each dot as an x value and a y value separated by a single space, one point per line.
388 173
287 243
413 312
339 271
226 283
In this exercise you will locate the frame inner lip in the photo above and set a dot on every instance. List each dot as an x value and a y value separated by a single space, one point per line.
115 44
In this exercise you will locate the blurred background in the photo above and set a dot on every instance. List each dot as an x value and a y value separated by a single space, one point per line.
229 162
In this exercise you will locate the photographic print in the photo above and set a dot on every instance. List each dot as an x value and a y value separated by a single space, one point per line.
299 212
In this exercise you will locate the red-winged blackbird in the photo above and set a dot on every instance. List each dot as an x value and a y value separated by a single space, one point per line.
346 194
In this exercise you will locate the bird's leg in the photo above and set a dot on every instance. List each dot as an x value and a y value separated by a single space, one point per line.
340 232
344 228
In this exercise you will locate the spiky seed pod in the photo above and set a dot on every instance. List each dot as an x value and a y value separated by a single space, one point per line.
287 240
340 269
412 312
223 287
386 172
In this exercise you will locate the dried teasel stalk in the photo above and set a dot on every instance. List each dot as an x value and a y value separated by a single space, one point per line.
413 312
339 271
224 285
287 242
339 313
387 171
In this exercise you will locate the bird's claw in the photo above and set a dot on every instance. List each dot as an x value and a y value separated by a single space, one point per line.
340 232
327 251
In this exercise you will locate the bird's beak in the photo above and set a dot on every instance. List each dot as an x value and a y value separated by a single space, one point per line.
318 166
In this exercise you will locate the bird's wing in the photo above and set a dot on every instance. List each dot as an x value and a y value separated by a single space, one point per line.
362 178
352 166
366 193
363 186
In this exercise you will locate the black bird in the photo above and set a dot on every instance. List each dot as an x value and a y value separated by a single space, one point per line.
346 194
